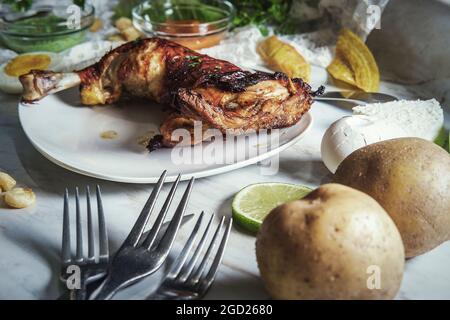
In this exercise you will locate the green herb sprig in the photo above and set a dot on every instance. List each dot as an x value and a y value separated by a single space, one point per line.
261 13
18 5
194 61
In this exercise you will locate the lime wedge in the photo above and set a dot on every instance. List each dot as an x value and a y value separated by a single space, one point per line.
448 142
251 205
441 139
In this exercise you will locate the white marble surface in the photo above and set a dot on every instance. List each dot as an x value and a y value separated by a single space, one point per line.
30 238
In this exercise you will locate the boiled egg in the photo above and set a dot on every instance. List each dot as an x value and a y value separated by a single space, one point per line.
22 64
372 123
353 132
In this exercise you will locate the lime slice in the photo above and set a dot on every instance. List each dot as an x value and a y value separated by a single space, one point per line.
251 205
441 139
448 142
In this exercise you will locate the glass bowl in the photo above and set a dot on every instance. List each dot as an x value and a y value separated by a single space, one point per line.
45 28
193 23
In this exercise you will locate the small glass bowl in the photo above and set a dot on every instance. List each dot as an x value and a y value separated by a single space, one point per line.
196 25
45 28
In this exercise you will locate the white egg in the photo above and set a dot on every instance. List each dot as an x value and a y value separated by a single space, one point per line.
11 84
376 122
351 133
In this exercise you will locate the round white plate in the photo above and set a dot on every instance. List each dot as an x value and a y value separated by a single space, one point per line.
69 135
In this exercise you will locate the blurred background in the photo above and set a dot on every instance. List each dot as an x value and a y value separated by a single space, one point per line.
409 38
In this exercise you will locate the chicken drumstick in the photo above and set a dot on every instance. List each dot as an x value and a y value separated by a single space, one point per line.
196 86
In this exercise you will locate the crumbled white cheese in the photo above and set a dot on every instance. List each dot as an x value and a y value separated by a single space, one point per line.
422 119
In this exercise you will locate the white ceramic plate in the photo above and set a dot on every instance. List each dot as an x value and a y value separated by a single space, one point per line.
69 135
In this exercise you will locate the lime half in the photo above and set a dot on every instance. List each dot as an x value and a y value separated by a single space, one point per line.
448 142
441 139
252 204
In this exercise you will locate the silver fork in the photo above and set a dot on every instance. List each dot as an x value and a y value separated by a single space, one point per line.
91 267
356 97
353 98
191 281
141 256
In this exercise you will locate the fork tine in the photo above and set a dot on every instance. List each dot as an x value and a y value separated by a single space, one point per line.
91 251
141 222
79 255
162 214
103 235
207 280
191 264
167 240
181 259
195 276
66 252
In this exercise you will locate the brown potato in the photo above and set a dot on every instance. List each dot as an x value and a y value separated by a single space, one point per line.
410 179
327 246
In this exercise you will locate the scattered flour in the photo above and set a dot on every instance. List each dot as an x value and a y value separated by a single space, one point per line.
240 47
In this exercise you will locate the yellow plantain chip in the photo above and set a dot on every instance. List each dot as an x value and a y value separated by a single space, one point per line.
281 56
340 71
354 63
347 90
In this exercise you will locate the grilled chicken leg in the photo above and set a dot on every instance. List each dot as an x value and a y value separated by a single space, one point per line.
196 86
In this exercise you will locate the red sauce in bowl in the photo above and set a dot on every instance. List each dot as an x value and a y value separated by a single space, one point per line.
191 33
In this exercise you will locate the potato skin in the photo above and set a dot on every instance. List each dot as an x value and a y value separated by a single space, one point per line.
410 179
321 246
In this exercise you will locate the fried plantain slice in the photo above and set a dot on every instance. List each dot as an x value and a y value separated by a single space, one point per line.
354 63
281 56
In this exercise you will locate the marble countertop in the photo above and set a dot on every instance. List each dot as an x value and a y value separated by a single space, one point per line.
30 238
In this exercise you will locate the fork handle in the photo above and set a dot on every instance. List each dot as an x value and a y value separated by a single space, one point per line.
106 290
79 294
350 100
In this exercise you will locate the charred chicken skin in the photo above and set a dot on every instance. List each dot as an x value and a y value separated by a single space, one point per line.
195 86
